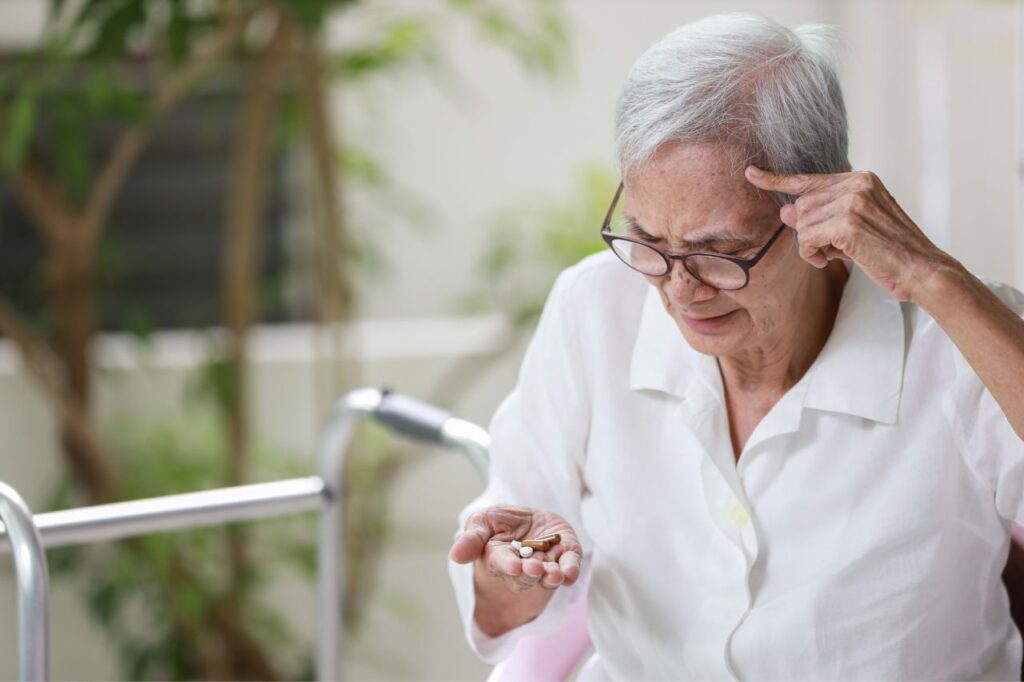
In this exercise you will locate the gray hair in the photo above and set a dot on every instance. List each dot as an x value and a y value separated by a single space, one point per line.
769 94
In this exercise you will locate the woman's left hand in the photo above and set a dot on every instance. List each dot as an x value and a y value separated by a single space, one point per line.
852 216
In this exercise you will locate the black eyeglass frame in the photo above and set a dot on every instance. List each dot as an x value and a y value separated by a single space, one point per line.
744 263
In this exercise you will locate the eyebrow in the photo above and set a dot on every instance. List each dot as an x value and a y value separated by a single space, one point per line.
720 237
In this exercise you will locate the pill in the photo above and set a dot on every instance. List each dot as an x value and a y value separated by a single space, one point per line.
525 552
517 544
537 545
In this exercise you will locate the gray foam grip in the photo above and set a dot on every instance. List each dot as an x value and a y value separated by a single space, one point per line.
411 417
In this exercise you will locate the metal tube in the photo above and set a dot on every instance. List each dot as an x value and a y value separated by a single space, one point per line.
176 512
353 407
33 586
472 439
242 503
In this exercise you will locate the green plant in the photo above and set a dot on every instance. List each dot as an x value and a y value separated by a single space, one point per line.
160 597
131 62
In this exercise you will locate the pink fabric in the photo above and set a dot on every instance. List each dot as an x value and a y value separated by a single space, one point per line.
548 657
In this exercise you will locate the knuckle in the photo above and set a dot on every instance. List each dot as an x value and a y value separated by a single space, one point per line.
865 179
857 202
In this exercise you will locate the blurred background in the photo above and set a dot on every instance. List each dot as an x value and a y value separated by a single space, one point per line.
217 216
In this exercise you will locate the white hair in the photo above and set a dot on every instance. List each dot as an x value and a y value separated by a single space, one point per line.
769 94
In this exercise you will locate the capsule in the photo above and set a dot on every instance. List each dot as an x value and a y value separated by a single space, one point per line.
543 543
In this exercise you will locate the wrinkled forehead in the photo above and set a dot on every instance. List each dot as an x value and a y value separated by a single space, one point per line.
692 195
694 169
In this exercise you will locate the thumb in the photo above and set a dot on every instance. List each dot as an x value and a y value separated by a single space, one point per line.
470 543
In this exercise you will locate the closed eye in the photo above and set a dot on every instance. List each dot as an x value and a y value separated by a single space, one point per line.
637 232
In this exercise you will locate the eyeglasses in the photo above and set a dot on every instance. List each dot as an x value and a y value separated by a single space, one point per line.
718 271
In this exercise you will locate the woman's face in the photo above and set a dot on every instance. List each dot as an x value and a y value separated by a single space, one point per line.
690 193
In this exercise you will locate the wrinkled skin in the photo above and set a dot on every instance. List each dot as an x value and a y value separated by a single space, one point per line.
486 540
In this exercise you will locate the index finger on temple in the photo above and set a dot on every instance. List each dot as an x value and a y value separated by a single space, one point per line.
796 184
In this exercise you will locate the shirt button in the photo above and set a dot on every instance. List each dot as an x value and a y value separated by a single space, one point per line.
738 515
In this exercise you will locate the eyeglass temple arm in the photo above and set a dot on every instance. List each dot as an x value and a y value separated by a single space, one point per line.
611 209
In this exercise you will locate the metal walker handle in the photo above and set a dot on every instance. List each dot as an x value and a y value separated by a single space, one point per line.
26 535
33 579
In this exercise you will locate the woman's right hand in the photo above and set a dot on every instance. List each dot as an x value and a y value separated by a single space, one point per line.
487 537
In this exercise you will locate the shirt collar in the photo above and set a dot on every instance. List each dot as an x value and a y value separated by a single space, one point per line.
859 371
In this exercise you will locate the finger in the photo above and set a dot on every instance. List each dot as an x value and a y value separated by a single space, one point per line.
569 563
818 215
552 575
795 184
809 203
505 560
813 255
470 543
819 245
833 253
533 568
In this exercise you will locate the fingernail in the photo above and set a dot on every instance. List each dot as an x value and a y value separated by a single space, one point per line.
754 170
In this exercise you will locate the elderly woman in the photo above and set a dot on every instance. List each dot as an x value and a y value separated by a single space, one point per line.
778 428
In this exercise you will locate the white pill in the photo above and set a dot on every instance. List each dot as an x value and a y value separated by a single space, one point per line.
525 551
516 544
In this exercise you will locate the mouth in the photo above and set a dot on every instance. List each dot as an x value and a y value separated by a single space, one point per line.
709 317
709 324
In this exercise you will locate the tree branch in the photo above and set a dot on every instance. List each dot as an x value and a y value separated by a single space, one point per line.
94 468
44 202
131 143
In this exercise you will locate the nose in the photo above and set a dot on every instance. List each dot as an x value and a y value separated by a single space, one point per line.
683 287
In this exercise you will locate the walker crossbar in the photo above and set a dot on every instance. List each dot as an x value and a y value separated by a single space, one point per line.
103 522
99 523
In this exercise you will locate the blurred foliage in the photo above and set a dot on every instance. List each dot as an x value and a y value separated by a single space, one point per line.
148 593
531 242
95 74
95 70
136 590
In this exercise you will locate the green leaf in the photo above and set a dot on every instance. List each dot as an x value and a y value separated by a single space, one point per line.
71 148
20 126
139 323
112 39
401 42
309 14
218 382
56 6
177 34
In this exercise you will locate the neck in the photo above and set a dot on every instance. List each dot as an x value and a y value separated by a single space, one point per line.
774 368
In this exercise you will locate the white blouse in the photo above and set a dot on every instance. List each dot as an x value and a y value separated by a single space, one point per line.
860 535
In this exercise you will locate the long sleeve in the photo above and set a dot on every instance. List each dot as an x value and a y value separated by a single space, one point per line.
982 432
538 437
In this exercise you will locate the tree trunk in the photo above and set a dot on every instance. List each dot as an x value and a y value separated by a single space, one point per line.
332 253
70 275
240 272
